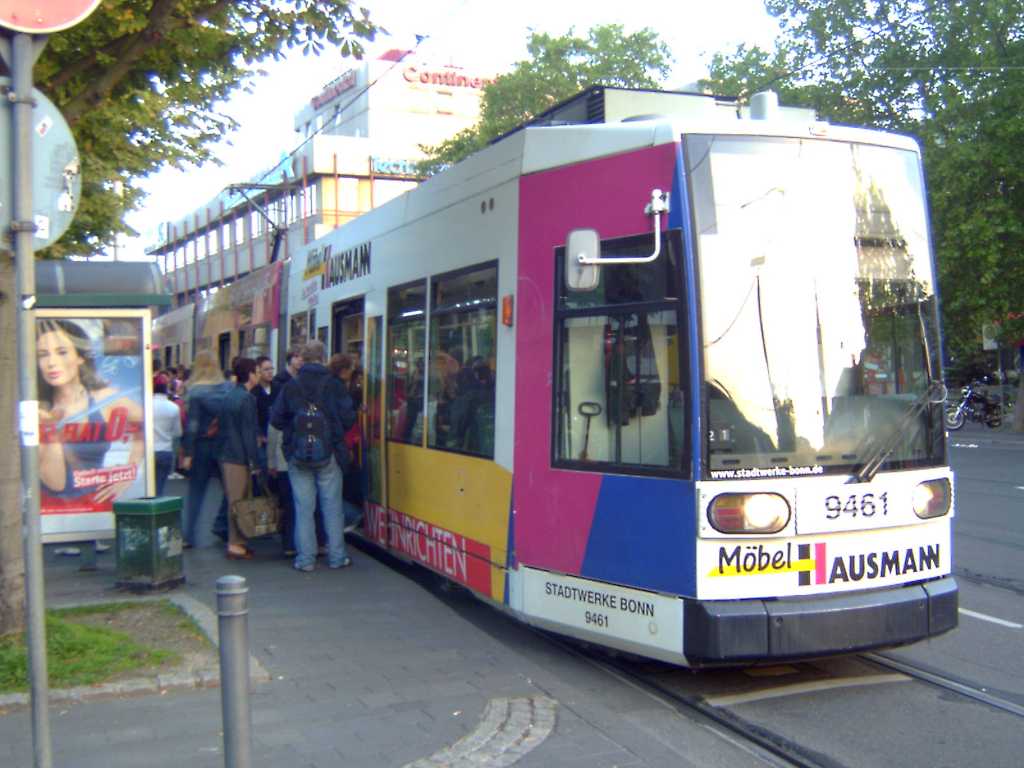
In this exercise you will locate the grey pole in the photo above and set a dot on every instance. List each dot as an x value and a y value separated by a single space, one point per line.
22 229
233 630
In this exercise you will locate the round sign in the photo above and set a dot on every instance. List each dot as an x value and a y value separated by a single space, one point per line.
41 17
56 172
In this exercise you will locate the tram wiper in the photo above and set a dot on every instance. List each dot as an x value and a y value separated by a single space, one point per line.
935 393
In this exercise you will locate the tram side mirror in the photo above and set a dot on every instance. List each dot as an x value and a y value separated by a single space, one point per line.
585 243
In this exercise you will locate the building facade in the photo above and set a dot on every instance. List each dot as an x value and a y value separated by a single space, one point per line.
358 143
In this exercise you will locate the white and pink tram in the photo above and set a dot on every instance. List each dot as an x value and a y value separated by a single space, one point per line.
670 384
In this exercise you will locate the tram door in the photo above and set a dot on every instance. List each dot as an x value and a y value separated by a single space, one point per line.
373 427
224 349
347 328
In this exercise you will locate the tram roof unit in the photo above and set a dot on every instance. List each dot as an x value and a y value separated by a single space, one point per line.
555 139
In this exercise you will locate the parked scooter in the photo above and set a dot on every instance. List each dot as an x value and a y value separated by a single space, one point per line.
975 405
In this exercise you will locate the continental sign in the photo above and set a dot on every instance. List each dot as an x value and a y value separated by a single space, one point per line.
749 568
444 76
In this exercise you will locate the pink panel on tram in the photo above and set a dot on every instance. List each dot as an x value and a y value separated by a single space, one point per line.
554 508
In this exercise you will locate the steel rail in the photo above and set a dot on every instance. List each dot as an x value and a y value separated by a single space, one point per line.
767 743
775 744
947 683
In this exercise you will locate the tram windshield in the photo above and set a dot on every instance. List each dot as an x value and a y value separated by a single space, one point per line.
817 301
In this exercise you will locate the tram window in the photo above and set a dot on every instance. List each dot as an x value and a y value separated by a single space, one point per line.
299 329
312 199
463 328
620 398
619 390
628 283
406 362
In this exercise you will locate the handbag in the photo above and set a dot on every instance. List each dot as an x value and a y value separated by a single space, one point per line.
257 516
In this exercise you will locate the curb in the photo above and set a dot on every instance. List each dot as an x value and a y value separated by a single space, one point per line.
203 677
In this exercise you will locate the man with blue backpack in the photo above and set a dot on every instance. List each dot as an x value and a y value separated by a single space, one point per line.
313 412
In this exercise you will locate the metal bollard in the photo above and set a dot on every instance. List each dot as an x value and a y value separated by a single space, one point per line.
233 631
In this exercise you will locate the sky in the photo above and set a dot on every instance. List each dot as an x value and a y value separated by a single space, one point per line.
478 34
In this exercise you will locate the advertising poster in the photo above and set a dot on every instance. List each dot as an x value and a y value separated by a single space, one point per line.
91 375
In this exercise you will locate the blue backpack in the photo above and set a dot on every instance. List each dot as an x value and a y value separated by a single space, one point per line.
311 431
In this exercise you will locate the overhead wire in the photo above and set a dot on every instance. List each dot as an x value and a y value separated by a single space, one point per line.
327 123
420 39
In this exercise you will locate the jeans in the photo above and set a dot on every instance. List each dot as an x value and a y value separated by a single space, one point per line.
236 479
307 486
353 513
164 460
282 488
204 467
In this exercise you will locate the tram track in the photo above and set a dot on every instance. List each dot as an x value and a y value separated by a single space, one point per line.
712 705
1000 582
935 678
772 748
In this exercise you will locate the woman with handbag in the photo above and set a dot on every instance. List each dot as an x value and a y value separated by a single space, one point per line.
239 450
203 402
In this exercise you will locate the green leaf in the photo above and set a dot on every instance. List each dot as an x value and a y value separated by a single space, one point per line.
559 68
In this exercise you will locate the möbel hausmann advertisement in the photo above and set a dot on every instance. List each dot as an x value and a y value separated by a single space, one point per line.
92 418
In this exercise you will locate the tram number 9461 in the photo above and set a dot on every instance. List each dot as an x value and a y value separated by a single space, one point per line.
596 619
857 505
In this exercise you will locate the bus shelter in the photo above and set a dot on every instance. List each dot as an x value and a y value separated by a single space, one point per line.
94 378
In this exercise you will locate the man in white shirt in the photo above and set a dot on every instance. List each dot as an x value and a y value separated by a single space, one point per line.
166 427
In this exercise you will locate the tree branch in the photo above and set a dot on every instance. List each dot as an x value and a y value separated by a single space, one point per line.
127 51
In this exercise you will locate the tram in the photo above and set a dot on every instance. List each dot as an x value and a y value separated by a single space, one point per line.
240 318
670 385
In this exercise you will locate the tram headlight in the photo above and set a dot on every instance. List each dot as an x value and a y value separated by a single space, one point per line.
932 498
748 513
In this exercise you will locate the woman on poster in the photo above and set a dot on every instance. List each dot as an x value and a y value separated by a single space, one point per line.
81 417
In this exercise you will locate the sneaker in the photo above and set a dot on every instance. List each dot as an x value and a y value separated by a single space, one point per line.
304 568
345 563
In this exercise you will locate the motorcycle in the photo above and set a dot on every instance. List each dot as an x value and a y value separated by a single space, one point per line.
974 405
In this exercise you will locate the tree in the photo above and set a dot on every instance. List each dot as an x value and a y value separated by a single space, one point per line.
558 67
947 73
139 82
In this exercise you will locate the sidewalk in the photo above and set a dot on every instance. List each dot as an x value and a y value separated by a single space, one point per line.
375 665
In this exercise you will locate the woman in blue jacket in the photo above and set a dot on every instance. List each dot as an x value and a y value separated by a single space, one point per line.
238 450
203 402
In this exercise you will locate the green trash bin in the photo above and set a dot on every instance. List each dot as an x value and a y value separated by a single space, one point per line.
149 543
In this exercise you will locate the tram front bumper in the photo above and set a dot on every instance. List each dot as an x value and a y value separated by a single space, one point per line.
724 631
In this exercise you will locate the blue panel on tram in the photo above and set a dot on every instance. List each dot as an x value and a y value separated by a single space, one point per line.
643 534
